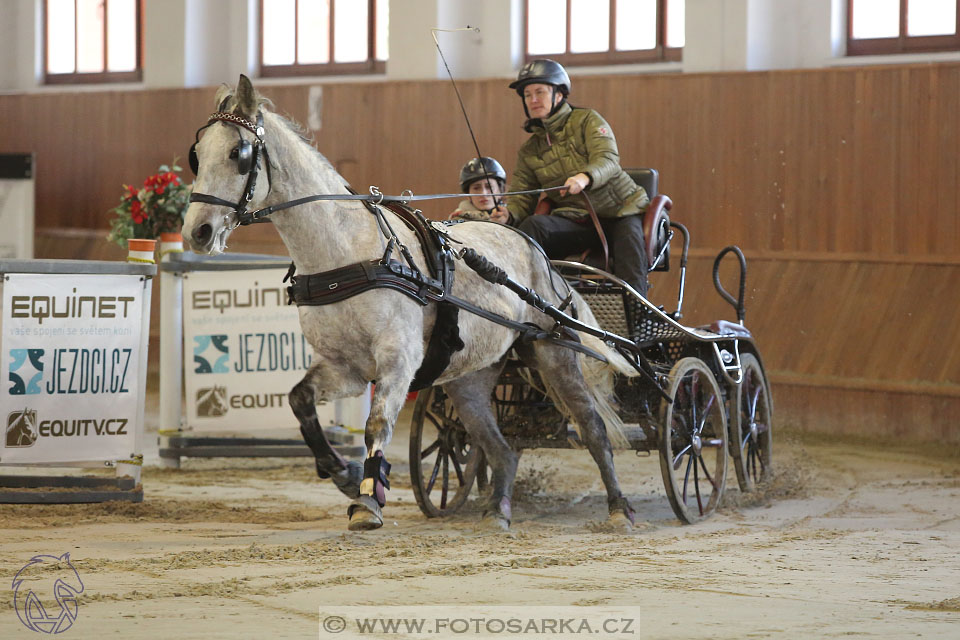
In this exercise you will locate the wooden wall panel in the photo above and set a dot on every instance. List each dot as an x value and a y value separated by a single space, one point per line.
858 160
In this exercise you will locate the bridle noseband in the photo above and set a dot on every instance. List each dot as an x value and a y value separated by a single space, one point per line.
248 156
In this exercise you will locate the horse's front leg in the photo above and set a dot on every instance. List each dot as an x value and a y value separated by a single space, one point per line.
389 395
314 388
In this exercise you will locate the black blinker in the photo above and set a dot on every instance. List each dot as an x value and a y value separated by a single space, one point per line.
244 157
192 158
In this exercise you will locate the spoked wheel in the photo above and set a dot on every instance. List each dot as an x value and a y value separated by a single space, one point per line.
750 433
693 441
443 463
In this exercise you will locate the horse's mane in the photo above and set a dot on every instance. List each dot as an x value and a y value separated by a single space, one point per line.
227 102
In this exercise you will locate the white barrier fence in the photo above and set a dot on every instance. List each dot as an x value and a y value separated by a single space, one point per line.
74 368
231 351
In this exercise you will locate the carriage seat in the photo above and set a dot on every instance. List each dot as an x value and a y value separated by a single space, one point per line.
656 223
656 219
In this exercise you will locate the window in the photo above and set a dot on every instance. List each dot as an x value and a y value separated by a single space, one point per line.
92 41
605 31
902 26
314 37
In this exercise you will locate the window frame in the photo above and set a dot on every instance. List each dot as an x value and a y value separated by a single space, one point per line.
95 77
902 43
660 53
369 66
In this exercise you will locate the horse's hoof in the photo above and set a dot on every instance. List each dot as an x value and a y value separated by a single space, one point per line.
495 522
619 521
497 517
348 480
621 511
365 514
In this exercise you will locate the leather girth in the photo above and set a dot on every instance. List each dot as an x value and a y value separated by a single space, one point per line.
327 287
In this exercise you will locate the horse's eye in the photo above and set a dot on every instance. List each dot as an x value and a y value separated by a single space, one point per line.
234 154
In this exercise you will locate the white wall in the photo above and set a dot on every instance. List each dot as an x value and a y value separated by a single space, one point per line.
484 54
164 43
205 42
716 37
788 34
20 52
412 52
212 60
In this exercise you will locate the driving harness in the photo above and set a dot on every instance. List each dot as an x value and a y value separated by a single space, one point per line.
332 286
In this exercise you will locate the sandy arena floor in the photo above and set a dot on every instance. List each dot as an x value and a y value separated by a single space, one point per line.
849 540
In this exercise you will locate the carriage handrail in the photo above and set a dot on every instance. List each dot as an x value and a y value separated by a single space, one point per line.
683 266
738 303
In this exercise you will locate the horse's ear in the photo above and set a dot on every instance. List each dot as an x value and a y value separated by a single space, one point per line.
246 98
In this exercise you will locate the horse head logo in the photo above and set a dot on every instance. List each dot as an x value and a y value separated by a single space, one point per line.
212 402
47 579
21 429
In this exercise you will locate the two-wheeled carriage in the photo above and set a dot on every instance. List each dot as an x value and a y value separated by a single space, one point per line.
707 402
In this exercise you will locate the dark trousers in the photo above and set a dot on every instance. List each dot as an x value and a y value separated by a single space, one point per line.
561 238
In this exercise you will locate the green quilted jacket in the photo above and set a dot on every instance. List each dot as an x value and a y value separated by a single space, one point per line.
571 141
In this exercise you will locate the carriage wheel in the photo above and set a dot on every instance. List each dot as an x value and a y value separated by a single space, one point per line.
693 441
443 463
750 435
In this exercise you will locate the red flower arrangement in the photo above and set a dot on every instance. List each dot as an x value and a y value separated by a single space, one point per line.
157 207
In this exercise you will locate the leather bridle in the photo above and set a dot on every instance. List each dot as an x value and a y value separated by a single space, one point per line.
248 156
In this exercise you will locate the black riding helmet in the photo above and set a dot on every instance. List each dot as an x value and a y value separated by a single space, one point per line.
480 168
542 71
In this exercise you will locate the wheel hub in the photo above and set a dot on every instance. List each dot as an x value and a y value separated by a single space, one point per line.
754 431
697 444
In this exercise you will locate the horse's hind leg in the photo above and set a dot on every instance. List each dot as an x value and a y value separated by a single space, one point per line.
330 464
561 372
471 397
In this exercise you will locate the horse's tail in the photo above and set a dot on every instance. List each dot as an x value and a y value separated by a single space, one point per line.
601 376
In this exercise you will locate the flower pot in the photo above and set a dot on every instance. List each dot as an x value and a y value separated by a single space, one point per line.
141 250
170 242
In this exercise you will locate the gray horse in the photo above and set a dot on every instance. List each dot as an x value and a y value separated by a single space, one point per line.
381 335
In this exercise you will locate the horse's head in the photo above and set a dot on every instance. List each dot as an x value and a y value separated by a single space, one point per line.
230 163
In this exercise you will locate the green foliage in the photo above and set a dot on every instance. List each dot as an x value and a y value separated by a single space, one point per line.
157 207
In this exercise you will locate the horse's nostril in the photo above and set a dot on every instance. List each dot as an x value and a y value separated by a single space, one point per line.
202 235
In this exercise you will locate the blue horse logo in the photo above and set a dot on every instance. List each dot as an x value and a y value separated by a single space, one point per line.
25 378
219 354
52 580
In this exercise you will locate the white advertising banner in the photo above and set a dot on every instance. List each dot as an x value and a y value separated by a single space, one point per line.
243 353
71 357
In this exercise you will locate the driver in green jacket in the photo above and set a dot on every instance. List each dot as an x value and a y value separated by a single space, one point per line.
575 148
